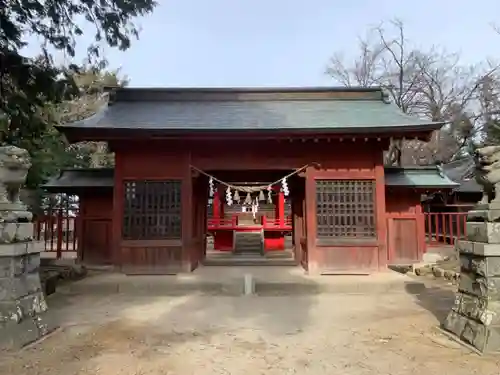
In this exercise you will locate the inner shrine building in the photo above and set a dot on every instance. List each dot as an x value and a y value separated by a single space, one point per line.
295 169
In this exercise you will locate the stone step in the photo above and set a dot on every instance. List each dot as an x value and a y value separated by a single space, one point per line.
249 261
248 242
278 258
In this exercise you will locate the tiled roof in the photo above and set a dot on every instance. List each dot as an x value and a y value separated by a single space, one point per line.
428 177
419 177
73 179
461 171
322 109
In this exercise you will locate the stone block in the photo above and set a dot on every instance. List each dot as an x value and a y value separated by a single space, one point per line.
8 232
483 232
15 336
21 248
6 266
484 287
455 323
12 288
32 262
490 215
14 311
480 309
17 265
482 266
24 232
484 338
478 248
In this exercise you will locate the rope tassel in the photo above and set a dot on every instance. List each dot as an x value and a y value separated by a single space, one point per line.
262 197
211 187
254 189
248 199
229 198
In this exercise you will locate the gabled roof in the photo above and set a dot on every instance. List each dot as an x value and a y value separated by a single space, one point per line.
418 177
75 180
80 179
461 171
342 110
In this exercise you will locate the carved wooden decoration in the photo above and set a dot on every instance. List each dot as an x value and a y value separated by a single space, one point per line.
393 157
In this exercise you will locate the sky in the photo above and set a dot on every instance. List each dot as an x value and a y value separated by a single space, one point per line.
231 43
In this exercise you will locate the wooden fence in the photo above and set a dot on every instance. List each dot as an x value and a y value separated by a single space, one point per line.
444 228
58 231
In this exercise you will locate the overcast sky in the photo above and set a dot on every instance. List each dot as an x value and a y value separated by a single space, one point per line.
288 42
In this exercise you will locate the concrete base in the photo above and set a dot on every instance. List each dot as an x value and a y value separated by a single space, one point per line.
268 281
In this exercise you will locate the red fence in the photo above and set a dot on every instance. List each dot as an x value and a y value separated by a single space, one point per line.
444 228
58 231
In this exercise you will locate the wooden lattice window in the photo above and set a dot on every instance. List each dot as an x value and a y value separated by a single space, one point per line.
152 210
345 209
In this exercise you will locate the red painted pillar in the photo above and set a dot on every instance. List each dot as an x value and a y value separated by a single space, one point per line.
275 240
280 208
221 202
216 205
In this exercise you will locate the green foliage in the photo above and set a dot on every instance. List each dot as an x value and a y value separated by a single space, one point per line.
34 92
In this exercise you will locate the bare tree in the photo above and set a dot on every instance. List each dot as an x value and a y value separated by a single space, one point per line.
431 84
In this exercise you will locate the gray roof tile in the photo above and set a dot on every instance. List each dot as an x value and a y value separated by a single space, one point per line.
75 179
461 171
421 177
429 177
240 113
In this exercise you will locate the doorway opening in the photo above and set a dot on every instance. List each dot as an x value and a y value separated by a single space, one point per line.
250 217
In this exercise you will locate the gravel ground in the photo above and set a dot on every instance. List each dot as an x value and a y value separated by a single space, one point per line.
321 334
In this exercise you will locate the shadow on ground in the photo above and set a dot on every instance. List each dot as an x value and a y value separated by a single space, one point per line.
437 299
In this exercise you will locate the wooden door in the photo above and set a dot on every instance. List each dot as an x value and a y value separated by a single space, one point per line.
403 235
96 241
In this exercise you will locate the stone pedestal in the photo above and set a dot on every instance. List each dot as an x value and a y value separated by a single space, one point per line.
475 317
22 302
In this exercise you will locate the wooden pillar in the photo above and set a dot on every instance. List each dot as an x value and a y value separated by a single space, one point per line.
381 217
78 234
297 215
117 216
420 217
187 210
313 254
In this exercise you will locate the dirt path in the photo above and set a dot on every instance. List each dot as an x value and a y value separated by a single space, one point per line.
321 334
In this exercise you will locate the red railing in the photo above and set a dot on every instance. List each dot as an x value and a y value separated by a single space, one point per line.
285 223
444 228
265 223
58 231
217 223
